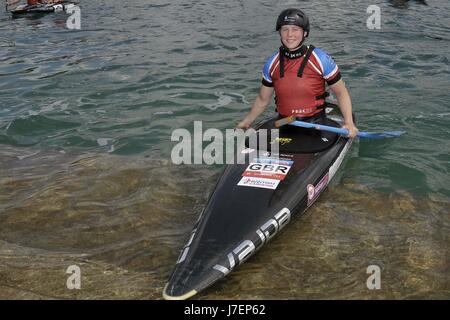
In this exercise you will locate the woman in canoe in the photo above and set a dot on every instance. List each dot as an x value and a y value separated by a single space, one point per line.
297 73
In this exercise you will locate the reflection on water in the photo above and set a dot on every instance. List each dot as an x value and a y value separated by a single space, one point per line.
123 221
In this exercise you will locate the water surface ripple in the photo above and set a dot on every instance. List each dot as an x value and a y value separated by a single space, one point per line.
86 118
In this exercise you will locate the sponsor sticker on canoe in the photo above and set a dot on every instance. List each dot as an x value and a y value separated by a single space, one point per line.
285 162
314 191
259 183
269 170
281 141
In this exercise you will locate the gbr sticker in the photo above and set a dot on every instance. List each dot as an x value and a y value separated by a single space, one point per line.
275 171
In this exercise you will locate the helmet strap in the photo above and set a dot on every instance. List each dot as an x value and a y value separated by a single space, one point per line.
293 54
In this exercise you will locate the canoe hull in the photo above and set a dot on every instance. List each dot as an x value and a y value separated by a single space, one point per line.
241 218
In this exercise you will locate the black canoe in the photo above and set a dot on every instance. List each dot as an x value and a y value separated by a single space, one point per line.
249 206
41 8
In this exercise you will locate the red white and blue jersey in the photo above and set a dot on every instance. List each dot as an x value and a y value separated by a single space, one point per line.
300 96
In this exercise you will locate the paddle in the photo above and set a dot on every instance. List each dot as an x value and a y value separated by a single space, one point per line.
369 135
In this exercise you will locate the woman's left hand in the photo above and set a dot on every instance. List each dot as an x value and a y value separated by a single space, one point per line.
352 130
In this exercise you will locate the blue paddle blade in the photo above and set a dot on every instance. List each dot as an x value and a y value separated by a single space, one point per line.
380 135
344 132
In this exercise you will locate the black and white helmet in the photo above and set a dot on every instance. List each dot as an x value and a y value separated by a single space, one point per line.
293 17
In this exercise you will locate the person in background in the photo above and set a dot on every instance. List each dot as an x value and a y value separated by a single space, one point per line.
34 2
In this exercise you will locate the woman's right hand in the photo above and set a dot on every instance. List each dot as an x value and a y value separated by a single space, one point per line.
243 125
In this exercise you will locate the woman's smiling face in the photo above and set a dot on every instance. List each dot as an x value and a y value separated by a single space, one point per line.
291 36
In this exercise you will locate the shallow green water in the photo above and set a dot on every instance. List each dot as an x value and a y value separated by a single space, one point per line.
85 173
